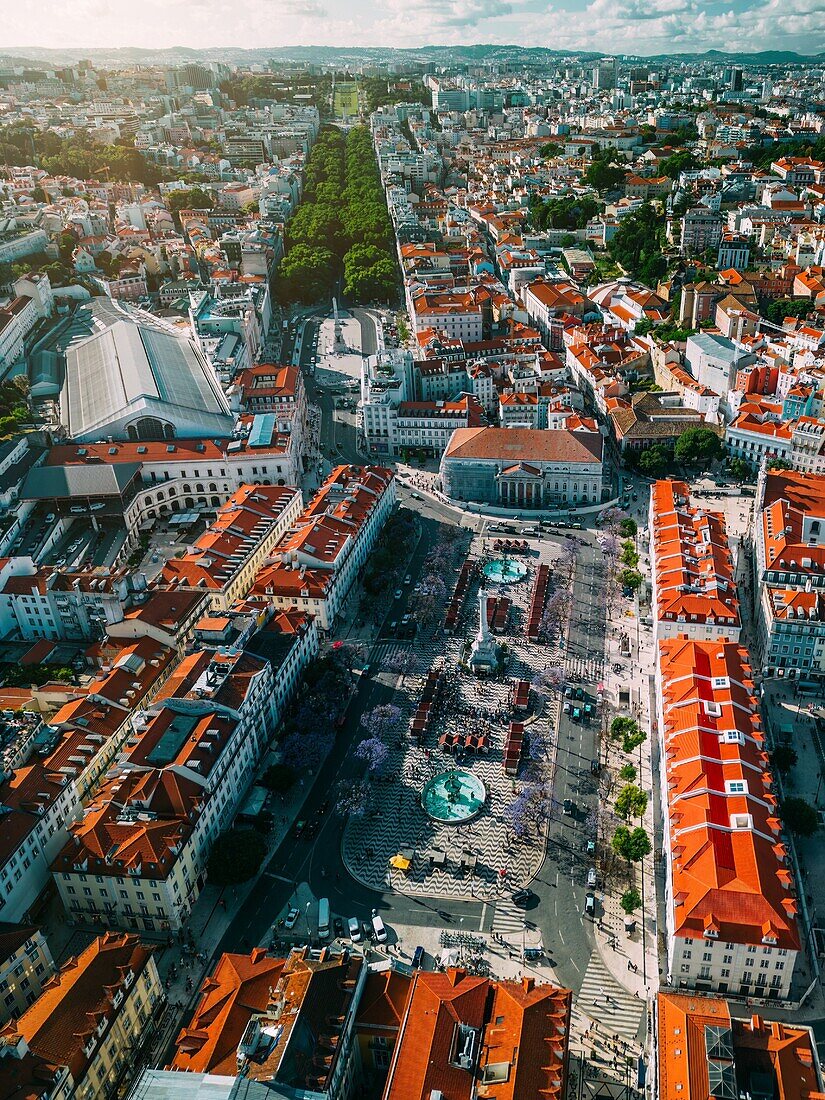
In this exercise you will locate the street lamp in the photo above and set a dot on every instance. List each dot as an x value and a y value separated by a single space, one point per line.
308 907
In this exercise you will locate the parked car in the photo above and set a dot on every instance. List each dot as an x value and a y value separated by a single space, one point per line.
354 929
338 927
523 898
292 917
379 929
398 594
590 904
591 847
568 807
418 957
591 877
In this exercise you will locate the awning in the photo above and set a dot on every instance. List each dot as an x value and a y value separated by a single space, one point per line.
400 863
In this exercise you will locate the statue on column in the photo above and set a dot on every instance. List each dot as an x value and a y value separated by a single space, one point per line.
484 650
339 344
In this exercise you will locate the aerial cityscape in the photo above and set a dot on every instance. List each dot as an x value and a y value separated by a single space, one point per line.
412 552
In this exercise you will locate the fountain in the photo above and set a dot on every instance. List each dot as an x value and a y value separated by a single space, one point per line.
505 571
453 797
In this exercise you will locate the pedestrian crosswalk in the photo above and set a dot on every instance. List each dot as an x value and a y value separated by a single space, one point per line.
588 669
508 920
603 999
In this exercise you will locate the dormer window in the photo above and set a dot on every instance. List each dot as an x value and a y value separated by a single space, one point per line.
741 822
736 786
733 737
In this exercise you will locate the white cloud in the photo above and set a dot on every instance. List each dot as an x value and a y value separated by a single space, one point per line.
636 26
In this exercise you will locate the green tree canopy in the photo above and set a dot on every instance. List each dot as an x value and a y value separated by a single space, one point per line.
236 856
631 844
604 176
698 447
799 816
191 198
638 243
655 461
677 163
631 801
630 578
630 900
740 470
784 757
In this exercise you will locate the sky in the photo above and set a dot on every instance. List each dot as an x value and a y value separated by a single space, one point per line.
612 26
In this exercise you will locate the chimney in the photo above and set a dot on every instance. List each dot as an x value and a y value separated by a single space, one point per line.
527 984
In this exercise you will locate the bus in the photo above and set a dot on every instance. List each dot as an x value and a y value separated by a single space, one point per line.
323 919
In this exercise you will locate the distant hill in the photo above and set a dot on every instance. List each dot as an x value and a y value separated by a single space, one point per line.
343 55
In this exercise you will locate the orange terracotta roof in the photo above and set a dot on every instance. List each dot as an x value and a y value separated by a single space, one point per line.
729 869
783 1053
692 562
238 987
76 1001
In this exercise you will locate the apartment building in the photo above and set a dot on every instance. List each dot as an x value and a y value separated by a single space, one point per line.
268 388
136 859
316 563
455 314
427 425
702 230
63 765
703 1050
762 430
464 1036
731 908
169 617
82 1036
692 568
789 574
625 303
225 559
546 303
47 602
310 999
26 965
734 252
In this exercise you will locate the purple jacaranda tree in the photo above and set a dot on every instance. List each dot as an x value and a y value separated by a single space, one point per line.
381 721
353 799
552 678
432 598
610 546
375 753
529 810
351 654
306 747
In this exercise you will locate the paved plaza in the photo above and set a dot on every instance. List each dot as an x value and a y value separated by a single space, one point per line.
468 705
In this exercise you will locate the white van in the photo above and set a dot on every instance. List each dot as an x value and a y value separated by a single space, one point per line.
323 919
379 929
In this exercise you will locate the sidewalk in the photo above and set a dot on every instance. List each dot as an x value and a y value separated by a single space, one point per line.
631 959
